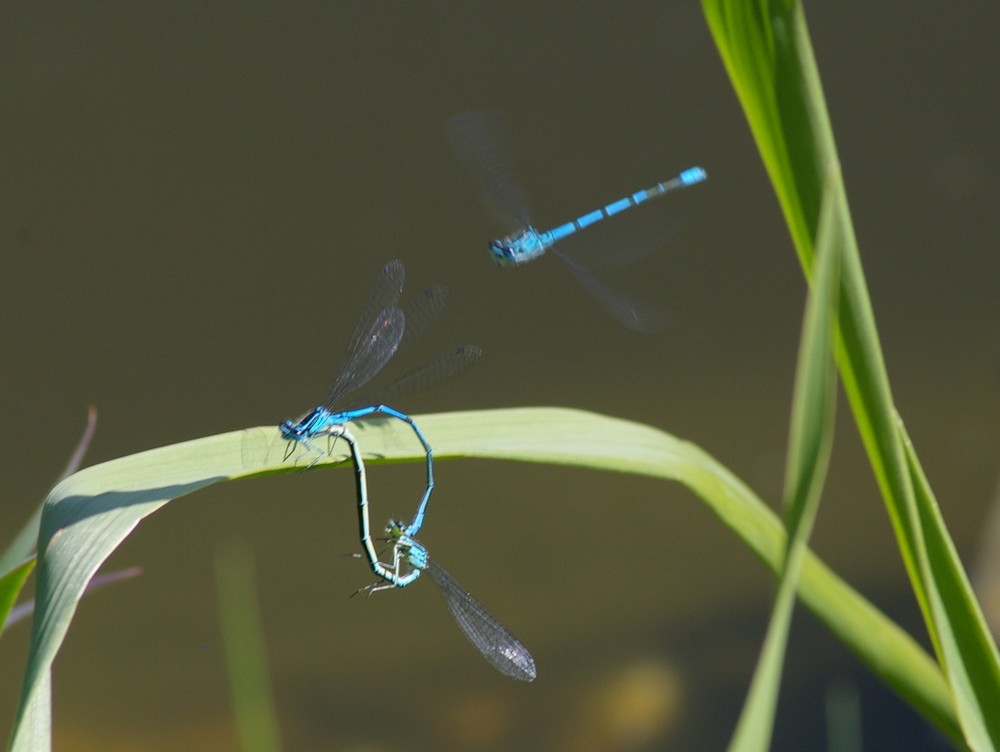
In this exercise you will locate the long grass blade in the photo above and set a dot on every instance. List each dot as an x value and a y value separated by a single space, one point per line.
809 444
767 52
90 513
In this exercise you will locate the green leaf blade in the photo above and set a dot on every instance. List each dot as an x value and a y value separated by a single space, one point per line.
91 512
809 445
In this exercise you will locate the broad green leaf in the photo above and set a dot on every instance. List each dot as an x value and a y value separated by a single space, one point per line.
90 513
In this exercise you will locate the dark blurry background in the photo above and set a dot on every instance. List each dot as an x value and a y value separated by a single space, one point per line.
195 201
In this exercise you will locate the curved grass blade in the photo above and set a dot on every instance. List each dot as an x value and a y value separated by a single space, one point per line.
88 515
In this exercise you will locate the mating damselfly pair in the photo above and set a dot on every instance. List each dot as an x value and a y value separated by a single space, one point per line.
384 329
381 331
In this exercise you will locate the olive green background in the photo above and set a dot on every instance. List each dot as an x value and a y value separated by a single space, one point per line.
195 200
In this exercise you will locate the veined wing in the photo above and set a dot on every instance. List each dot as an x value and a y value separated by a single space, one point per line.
433 372
498 646
384 295
422 313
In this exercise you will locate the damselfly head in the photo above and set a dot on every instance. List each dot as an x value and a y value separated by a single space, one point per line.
527 244
504 252
291 429
395 529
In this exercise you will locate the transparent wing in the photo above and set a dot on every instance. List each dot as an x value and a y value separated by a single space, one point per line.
383 295
378 345
441 368
629 310
479 140
376 335
619 242
498 646
422 313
